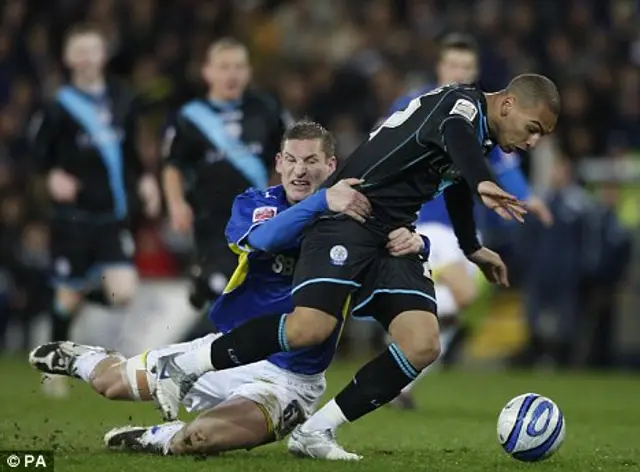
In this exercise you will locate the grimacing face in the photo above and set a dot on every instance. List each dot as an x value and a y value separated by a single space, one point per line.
227 71
520 126
86 54
457 66
303 166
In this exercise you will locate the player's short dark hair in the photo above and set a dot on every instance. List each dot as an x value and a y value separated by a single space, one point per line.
82 29
227 42
534 89
458 42
307 129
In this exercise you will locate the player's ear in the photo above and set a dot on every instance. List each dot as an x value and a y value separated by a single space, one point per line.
279 163
507 105
332 162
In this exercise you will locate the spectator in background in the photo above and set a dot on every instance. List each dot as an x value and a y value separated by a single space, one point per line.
573 270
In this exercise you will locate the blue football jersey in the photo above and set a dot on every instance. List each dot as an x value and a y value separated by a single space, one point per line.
261 284
505 165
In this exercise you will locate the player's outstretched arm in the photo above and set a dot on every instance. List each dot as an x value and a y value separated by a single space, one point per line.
466 153
285 228
281 230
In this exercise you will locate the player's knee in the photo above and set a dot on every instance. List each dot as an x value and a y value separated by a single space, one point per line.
308 327
120 285
418 337
122 297
424 350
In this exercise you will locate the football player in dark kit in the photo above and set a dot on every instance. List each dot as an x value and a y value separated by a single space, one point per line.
84 143
218 147
438 143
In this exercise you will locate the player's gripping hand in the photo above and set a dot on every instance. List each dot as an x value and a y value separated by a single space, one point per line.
181 217
503 203
63 187
343 198
403 241
491 265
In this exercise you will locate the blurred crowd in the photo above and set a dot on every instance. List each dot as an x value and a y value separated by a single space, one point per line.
340 62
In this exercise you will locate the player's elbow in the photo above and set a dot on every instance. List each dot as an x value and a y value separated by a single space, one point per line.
261 240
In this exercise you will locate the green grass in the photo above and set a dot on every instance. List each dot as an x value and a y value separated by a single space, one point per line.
453 430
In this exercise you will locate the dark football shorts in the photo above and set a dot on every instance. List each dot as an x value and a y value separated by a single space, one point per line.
340 257
81 250
214 263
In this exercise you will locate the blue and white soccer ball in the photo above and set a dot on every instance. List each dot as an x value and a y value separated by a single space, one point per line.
531 427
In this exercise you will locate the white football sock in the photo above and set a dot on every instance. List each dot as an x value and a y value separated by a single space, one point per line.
86 363
329 416
196 361
160 436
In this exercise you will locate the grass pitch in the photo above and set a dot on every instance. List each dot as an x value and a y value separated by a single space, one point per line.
453 430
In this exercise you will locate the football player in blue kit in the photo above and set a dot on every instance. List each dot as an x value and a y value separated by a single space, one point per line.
260 402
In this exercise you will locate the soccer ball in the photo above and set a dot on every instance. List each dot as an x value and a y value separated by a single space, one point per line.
531 427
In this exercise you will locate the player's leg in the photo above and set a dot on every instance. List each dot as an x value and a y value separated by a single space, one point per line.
455 288
323 280
237 423
112 262
408 311
253 405
107 372
70 264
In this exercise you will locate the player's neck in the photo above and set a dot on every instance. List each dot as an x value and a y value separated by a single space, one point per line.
94 85
493 110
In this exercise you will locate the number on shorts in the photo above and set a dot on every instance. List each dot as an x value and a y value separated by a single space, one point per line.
292 416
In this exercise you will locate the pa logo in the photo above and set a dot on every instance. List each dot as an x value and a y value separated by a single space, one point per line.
338 255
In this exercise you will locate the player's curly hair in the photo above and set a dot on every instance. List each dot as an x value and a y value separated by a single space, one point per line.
307 129
533 89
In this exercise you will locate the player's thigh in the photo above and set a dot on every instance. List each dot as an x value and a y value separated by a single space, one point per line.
286 399
334 256
402 299
392 286
70 258
113 262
